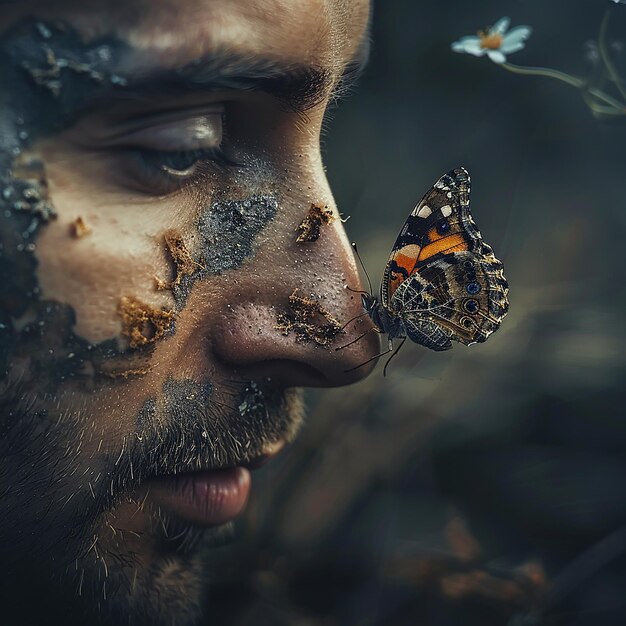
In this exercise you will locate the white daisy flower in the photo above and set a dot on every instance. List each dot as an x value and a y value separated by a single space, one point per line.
496 43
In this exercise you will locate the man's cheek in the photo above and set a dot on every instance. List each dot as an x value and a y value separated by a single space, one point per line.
109 270
50 72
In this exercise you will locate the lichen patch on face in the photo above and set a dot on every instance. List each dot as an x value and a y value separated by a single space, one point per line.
79 228
184 265
309 320
142 323
310 227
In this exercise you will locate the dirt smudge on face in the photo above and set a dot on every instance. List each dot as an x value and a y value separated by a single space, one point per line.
31 196
53 74
47 72
310 227
227 230
309 320
142 323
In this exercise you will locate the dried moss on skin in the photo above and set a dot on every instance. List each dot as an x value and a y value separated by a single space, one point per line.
184 265
309 229
309 320
142 323
79 228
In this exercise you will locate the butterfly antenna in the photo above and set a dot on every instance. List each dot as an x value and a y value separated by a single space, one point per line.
374 329
356 317
367 293
358 256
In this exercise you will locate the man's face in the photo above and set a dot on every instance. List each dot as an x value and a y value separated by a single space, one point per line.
173 269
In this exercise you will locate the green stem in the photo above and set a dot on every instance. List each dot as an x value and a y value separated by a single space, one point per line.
544 71
604 54
603 110
574 81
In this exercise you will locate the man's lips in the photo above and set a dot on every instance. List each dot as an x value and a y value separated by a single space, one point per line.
208 497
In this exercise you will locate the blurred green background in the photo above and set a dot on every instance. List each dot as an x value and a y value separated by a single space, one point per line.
484 485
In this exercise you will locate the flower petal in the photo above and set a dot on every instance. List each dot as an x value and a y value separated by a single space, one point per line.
507 48
517 35
496 56
499 28
468 45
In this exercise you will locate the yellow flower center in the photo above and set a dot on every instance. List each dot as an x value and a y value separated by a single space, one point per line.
490 42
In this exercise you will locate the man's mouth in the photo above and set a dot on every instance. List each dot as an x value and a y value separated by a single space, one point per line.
207 497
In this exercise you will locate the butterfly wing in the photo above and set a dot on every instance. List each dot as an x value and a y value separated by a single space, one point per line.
439 224
455 287
463 294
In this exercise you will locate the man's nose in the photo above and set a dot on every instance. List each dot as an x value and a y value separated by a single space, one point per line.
297 314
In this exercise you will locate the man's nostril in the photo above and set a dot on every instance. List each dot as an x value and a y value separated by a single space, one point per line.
308 320
282 373
251 341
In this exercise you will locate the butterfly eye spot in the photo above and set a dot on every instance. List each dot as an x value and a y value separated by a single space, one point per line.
468 265
471 305
471 277
443 227
467 322
472 288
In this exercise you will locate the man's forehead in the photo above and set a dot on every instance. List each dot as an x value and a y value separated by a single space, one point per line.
322 33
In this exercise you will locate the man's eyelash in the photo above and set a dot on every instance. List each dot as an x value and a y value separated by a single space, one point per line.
158 162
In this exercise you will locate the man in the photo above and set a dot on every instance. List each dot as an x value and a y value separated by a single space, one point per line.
173 269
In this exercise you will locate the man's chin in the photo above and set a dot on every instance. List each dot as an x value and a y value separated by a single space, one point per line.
147 566
98 545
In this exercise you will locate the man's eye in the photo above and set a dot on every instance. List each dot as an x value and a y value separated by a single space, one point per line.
177 164
168 149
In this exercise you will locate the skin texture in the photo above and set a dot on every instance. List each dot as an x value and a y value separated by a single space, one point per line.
149 343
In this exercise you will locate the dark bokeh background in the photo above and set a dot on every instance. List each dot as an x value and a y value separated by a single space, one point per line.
485 485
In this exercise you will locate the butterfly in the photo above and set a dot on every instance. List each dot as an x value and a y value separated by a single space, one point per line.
442 282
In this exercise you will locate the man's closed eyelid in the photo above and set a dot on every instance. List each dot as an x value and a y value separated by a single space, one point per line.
191 134
105 128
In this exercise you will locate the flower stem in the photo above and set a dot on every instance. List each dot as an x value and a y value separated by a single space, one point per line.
606 59
544 71
579 83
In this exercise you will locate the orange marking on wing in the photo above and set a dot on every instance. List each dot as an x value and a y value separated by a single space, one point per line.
451 243
433 235
405 258
407 262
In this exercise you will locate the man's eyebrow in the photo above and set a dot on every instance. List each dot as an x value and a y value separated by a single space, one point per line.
299 86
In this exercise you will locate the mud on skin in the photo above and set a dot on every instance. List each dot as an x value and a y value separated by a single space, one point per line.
218 431
227 230
54 75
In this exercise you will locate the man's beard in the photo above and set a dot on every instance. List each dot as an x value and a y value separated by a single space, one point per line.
61 483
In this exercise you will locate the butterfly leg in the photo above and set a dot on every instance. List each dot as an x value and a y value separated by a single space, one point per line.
372 359
394 354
